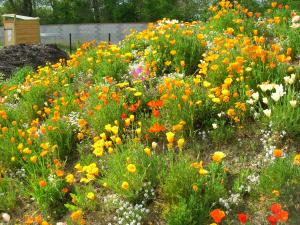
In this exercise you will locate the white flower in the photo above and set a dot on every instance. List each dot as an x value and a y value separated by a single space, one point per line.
250 101
295 25
5 217
296 19
265 100
279 90
265 87
255 96
215 126
290 80
267 112
154 145
293 103
275 96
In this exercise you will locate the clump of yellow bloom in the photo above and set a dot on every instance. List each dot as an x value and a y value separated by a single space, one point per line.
218 156
170 137
131 168
70 178
125 185
297 160
180 143
147 151
90 195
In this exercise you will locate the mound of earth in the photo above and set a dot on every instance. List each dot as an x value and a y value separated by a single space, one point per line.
17 56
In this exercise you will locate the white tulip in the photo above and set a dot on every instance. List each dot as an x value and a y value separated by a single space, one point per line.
154 145
255 96
266 101
267 112
5 217
293 103
215 126
275 96
296 19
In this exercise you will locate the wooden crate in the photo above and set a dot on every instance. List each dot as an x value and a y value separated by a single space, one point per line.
21 29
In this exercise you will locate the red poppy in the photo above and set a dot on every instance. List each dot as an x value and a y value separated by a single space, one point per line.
283 216
217 215
243 217
124 116
272 219
155 113
276 208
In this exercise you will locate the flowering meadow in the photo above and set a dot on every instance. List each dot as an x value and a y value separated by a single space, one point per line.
182 123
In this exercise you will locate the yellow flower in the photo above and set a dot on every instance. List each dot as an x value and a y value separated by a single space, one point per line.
195 187
180 143
218 156
90 195
168 63
206 84
70 178
118 140
297 160
131 168
170 137
33 159
216 100
125 185
173 52
203 171
131 117
127 122
115 130
147 151
138 131
276 192
137 94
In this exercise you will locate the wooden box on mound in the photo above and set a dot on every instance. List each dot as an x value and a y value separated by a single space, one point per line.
21 29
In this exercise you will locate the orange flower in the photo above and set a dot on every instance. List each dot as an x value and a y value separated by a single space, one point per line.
76 215
155 113
65 190
43 183
217 215
38 219
283 216
156 128
60 173
155 104
278 153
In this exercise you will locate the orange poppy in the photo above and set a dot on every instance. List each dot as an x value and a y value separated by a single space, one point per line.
43 183
155 103
156 128
217 215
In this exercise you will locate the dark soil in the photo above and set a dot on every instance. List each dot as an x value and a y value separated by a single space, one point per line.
18 56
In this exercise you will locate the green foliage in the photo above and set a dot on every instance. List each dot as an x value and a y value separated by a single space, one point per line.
281 175
84 11
147 170
20 75
191 194
64 137
50 197
8 194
